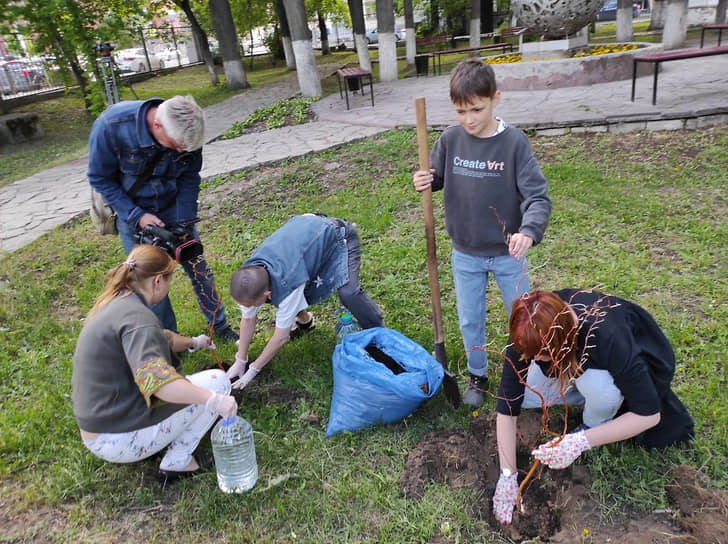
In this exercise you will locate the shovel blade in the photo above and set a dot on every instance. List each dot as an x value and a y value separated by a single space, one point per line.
449 383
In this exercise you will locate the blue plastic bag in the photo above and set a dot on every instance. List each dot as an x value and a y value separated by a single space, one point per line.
367 392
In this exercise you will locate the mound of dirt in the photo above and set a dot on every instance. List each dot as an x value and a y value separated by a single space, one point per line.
701 513
557 504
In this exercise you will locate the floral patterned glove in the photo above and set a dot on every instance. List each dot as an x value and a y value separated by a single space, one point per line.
564 453
504 499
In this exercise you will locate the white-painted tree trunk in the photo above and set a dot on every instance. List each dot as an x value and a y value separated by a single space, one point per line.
387 57
625 32
411 45
308 76
657 14
362 51
676 24
235 74
475 32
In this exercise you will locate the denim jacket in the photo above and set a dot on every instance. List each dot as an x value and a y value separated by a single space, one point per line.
308 249
121 148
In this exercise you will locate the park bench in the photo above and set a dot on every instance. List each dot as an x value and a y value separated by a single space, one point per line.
437 60
354 79
438 40
667 56
422 60
719 27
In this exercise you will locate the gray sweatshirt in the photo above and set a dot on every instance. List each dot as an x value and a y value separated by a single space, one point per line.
494 187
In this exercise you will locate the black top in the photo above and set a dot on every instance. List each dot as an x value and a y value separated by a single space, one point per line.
620 337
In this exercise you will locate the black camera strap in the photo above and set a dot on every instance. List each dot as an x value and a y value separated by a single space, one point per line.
141 180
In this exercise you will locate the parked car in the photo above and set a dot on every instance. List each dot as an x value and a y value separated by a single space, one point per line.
134 60
172 57
609 11
19 75
372 35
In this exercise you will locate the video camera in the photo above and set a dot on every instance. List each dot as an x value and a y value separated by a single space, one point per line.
104 48
177 242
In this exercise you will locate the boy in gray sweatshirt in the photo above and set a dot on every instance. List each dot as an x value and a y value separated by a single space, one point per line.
496 207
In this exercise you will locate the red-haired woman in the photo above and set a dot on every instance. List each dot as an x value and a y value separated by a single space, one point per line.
582 347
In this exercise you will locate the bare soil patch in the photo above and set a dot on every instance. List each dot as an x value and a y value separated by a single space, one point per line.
558 505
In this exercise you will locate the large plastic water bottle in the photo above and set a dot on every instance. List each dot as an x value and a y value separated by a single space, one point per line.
345 324
234 453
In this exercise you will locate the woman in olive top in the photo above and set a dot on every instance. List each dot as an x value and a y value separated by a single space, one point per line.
129 397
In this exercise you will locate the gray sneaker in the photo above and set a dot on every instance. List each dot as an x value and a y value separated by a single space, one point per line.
475 391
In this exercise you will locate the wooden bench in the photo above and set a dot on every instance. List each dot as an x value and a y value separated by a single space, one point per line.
438 39
719 27
436 55
679 54
354 79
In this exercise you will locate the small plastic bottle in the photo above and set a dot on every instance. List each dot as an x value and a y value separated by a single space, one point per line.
345 324
234 453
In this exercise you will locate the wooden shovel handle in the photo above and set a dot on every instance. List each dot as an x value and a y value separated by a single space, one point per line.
424 159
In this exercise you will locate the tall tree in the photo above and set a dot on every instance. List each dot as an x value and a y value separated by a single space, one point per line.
676 24
249 15
474 23
285 35
720 10
409 26
308 76
657 14
625 33
356 10
387 43
232 62
323 33
486 16
434 13
200 37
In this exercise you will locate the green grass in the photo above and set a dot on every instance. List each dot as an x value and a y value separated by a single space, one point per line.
646 227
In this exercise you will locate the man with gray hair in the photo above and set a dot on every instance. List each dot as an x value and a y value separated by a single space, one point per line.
145 159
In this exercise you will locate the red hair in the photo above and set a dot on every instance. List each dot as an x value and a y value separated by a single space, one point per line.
543 324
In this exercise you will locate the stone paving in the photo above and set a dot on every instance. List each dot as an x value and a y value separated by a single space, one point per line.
691 94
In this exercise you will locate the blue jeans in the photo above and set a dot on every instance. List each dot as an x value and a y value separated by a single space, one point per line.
203 283
470 274
352 294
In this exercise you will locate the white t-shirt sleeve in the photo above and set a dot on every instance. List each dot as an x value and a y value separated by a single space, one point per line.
248 312
289 308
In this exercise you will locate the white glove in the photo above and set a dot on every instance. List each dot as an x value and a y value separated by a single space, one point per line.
564 453
247 378
504 498
200 342
238 368
224 405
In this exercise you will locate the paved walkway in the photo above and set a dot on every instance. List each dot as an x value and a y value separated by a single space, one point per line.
692 93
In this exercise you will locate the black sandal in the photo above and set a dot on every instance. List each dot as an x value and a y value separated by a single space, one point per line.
299 328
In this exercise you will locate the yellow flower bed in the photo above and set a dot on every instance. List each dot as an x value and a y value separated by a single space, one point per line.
592 51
